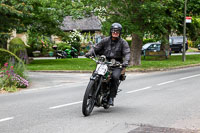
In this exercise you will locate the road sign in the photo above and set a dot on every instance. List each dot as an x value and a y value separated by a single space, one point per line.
188 19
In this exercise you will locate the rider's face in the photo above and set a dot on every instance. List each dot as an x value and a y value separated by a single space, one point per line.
115 33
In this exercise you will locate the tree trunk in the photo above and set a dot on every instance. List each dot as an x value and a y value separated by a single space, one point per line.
165 41
136 47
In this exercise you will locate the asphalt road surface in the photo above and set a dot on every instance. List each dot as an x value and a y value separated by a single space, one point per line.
157 102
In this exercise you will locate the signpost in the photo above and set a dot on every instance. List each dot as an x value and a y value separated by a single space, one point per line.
184 32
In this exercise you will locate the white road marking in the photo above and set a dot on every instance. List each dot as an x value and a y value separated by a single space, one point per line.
146 88
64 105
166 82
190 77
6 119
42 88
55 86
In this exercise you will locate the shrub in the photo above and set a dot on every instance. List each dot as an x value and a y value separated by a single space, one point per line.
190 44
18 47
13 77
4 57
63 46
129 42
148 40
197 42
16 44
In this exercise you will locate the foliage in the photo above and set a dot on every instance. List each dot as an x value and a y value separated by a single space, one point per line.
40 17
62 46
149 40
12 77
190 44
73 39
39 42
140 17
197 42
129 42
16 44
6 55
193 29
12 12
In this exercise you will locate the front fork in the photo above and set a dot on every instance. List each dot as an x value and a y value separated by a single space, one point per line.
98 81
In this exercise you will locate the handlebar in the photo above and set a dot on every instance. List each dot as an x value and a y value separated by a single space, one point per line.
107 62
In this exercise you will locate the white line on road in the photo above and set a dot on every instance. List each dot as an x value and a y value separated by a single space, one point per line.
6 119
55 86
166 82
139 89
190 77
64 105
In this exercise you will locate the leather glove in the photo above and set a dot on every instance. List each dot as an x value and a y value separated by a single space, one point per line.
124 64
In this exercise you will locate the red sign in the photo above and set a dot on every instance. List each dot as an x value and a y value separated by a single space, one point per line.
188 19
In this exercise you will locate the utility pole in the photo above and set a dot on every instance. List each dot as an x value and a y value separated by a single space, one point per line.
184 32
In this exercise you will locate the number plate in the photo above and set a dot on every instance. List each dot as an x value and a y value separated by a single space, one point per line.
101 69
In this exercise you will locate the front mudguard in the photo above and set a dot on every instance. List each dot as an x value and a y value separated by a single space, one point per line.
94 77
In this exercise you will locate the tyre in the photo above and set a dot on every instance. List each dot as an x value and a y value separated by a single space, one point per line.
106 106
89 99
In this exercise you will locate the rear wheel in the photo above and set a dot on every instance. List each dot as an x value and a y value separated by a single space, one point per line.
89 99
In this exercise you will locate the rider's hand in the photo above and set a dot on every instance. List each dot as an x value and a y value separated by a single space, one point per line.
87 55
125 65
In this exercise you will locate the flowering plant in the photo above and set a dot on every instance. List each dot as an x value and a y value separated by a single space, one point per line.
73 39
9 80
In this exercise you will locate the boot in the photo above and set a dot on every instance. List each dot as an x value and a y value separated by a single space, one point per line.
111 101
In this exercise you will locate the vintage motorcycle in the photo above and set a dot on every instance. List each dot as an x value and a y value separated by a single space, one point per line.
98 90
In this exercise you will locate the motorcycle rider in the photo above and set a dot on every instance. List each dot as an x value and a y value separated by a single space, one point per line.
113 47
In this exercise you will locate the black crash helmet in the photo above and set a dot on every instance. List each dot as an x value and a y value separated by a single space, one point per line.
116 27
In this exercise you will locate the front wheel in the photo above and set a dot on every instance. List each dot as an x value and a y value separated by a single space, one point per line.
89 99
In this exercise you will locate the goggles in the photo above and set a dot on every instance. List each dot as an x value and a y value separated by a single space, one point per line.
116 31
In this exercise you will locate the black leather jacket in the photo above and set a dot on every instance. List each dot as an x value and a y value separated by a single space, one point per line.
118 50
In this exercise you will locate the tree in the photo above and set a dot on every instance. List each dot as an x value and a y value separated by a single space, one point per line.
140 17
11 12
42 17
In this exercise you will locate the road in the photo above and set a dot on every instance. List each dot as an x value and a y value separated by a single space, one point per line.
157 102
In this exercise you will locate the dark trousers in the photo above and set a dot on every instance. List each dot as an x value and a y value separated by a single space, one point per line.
115 81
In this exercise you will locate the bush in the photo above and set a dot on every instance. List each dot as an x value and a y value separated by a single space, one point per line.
148 40
129 42
18 47
4 57
63 46
197 42
190 44
16 44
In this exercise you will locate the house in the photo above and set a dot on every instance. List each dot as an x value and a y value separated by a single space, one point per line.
89 27
90 24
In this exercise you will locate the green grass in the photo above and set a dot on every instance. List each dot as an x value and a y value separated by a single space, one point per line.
62 64
151 63
154 63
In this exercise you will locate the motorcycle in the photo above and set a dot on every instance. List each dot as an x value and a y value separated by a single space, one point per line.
68 53
60 54
98 90
72 53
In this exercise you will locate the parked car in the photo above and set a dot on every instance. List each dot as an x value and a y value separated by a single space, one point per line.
198 46
176 44
154 46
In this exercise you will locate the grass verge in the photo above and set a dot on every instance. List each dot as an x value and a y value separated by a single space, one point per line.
151 63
